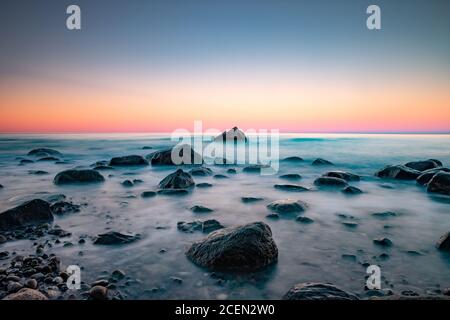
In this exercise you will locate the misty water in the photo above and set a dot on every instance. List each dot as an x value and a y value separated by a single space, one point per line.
318 252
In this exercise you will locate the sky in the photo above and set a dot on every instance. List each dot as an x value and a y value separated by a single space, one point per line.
157 66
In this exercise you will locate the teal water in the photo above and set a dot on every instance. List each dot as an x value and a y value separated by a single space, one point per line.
306 252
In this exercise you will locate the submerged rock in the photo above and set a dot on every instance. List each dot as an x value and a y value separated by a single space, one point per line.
37 172
48 159
62 207
385 242
231 171
148 194
204 226
385 214
398 172
26 294
424 165
293 159
291 176
317 291
114 238
321 162
245 248
351 190
444 242
287 206
440 183
177 180
173 192
254 168
251 199
132 160
29 213
426 175
78 176
202 171
44 152
233 135
347 176
127 183
98 293
330 182
164 157
25 161
204 185
290 187
201 209
303 219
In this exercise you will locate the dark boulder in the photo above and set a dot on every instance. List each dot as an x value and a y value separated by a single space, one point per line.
351 190
251 199
233 135
245 248
29 213
424 165
287 206
114 238
44 152
25 161
78 176
204 185
440 183
148 194
132 160
62 207
330 182
177 180
202 171
201 209
127 183
293 159
291 176
384 242
164 157
321 162
444 242
426 175
290 187
254 168
204 226
232 171
303 219
317 291
347 176
398 172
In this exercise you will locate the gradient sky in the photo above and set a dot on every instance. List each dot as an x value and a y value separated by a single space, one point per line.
155 66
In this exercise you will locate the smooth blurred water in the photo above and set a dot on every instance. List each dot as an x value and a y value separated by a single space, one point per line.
310 252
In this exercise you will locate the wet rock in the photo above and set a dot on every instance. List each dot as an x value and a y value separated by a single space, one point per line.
173 192
133 160
78 176
245 248
164 157
29 213
62 207
291 176
231 171
211 225
287 206
232 135
44 152
303 219
204 185
347 176
146 148
3 239
31 283
398 172
118 274
254 168
293 159
177 180
290 187
176 280
351 190
444 242
424 165
426 176
201 172
317 291
330 182
55 198
26 294
127 183
220 176
98 293
321 162
38 172
385 242
273 216
440 183
114 238
1 186
384 214
48 159
148 194
13 287
25 161
251 199
201 209
349 224
204 226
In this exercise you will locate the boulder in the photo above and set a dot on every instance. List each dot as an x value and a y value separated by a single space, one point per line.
201 209
44 152
204 185
98 293
424 165
254 168
148 194
164 157
303 219
291 176
426 175
398 172
321 162
351 190
251 199
114 238
202 171
384 242
32 212
293 159
204 226
440 183
330 182
444 242
290 187
287 206
347 176
26 294
78 176
317 291
244 248
234 135
132 160
177 180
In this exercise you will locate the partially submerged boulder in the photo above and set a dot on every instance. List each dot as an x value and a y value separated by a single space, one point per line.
350 190
32 212
398 172
206 226
317 291
293 159
245 248
202 171
165 157
290 187
78 176
291 176
132 160
287 206
177 180
426 175
347 176
232 135
424 164
440 183
115 238
44 152
26 294
321 162
63 207
444 242
330 182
